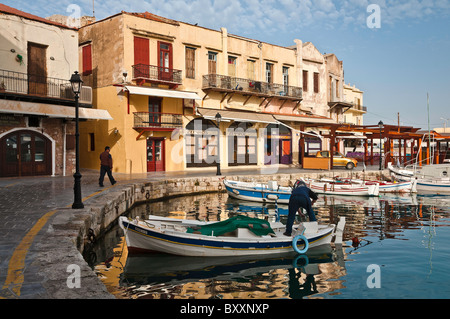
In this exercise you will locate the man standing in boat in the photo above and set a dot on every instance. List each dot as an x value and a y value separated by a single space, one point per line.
300 198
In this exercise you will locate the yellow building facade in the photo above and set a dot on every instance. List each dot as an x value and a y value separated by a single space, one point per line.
170 85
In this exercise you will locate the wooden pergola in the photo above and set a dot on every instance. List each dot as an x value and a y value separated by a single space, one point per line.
387 134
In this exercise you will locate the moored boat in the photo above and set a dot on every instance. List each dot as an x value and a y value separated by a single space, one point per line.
259 192
341 188
237 236
388 187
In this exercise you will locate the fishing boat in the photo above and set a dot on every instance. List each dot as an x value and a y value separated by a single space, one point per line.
433 186
258 192
237 236
430 179
388 187
400 174
342 188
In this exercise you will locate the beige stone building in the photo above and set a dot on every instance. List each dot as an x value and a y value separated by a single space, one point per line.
165 83
37 59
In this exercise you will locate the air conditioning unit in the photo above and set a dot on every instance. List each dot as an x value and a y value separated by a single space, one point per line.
86 95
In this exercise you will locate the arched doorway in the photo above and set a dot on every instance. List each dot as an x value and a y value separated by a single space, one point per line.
25 153
278 144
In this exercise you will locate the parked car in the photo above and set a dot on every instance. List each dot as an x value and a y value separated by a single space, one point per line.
339 159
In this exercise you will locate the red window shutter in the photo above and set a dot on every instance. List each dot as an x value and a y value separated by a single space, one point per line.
87 59
141 51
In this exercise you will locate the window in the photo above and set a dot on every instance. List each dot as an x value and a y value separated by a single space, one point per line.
190 63
87 60
91 142
316 82
337 88
269 72
285 76
305 81
232 66
33 121
251 69
212 62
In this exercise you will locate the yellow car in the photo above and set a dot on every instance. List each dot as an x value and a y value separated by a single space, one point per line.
339 159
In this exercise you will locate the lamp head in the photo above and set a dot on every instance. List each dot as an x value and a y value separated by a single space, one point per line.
218 117
76 82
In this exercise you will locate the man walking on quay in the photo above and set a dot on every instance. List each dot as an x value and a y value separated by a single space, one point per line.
300 198
106 167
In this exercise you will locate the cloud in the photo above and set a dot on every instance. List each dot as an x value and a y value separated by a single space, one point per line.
254 16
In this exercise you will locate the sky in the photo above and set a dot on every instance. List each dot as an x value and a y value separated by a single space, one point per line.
397 52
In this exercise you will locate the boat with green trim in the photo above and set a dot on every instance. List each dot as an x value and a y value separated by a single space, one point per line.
237 236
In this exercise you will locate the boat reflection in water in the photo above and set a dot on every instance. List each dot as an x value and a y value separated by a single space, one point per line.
152 276
405 221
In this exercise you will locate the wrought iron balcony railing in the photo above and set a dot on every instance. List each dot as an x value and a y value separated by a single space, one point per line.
154 73
157 120
12 82
227 83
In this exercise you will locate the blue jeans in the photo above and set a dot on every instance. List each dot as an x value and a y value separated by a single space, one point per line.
105 170
296 202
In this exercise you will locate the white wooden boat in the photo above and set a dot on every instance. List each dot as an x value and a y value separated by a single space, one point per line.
430 179
194 238
434 186
388 187
341 188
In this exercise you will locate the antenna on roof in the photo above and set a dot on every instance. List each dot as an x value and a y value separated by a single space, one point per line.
93 9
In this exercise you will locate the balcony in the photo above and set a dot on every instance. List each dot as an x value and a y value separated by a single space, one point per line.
27 87
223 83
154 74
157 121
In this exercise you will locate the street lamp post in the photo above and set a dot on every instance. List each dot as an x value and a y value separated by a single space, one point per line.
77 83
380 125
218 119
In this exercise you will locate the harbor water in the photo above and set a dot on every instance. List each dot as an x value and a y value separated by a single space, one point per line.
394 246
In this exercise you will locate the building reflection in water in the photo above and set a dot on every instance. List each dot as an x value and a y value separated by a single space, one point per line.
319 273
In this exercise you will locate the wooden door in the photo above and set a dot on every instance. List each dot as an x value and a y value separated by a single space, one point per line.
285 152
25 153
165 61
155 155
37 69
154 111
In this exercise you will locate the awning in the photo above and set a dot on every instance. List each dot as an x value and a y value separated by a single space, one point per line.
52 110
140 90
305 119
238 116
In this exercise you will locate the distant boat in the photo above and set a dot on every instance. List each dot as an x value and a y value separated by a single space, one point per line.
341 188
430 179
387 187
237 236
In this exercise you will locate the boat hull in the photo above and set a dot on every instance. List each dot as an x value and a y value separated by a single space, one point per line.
344 189
144 239
258 192
433 187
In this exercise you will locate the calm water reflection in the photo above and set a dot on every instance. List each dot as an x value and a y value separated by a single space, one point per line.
400 234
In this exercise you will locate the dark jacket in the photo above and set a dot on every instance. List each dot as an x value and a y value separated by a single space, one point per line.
106 159
305 191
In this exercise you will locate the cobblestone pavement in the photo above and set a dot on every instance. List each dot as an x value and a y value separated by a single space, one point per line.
27 207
